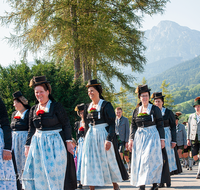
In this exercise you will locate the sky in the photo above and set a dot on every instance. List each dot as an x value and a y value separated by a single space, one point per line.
183 12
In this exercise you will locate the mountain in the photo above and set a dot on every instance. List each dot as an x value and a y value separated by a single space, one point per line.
169 39
155 68
184 80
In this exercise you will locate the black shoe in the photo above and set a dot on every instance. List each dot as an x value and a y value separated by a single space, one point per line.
154 188
161 185
142 187
168 184
198 176
80 186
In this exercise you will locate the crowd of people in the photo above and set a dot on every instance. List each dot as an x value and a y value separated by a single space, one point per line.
38 151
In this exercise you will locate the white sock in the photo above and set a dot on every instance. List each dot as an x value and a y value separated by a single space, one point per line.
190 162
198 168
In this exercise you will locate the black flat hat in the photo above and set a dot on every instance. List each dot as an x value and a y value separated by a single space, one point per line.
19 96
157 95
142 88
38 80
92 83
79 107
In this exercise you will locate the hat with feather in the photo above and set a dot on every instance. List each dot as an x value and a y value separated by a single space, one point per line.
196 101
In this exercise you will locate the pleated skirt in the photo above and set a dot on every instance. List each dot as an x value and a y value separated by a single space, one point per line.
147 161
99 167
46 163
7 172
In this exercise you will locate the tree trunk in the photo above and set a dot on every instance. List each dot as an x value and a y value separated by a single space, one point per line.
83 68
76 57
94 68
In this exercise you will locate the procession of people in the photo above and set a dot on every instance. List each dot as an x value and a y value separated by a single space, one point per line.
37 147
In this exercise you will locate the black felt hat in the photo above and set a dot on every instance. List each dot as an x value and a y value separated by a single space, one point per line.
19 96
79 107
92 83
142 88
38 80
157 95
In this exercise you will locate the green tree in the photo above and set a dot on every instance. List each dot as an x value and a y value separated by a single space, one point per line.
97 35
64 88
125 103
168 96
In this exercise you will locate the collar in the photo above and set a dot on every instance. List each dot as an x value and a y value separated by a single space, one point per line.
163 111
98 106
148 108
47 108
21 115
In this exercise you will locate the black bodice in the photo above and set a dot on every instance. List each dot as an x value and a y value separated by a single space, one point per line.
105 115
55 119
4 123
154 118
19 124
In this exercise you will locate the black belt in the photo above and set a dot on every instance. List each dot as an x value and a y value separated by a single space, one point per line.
166 123
145 124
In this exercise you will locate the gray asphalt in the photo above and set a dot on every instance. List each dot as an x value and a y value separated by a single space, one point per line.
185 180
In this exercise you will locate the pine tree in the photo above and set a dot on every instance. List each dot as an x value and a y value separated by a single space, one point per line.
97 35
125 103
168 96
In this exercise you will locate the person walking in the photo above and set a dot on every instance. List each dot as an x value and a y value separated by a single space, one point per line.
49 150
7 172
146 141
99 165
122 131
169 164
19 126
79 128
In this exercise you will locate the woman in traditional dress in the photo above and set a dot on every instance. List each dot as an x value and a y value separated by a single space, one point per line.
7 172
170 136
99 164
79 128
49 149
19 126
147 138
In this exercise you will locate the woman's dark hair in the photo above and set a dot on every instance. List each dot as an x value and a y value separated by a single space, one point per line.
99 89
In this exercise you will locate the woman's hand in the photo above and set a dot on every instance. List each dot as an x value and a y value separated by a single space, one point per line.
70 147
173 144
188 142
7 155
26 150
130 145
107 145
162 143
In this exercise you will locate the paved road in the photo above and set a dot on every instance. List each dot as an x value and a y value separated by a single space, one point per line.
186 180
